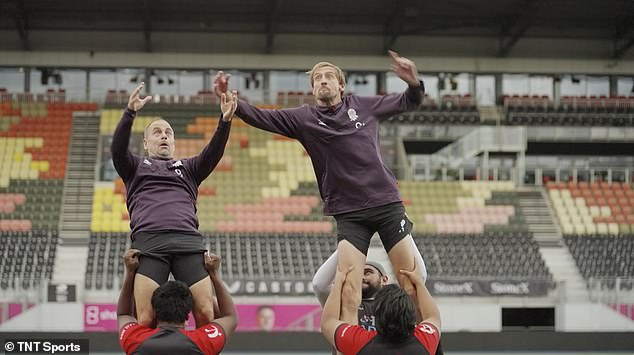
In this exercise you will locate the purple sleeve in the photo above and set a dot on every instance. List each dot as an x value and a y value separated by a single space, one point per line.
283 121
388 105
123 159
205 162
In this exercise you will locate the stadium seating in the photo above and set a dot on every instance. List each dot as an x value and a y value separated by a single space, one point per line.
453 109
593 208
463 207
104 264
492 255
34 139
571 111
27 259
245 255
294 255
604 257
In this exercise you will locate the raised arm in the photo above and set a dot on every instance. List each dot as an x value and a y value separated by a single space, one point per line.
330 317
227 315
284 122
125 305
121 157
205 162
425 303
388 105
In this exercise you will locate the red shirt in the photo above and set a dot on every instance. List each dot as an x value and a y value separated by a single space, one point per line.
137 339
353 339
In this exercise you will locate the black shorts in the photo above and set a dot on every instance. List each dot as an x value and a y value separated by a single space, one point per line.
164 252
390 221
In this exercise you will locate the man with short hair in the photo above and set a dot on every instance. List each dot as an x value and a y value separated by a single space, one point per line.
172 303
397 330
341 136
161 200
374 279
265 318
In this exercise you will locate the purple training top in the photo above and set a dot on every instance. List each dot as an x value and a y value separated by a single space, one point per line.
161 194
343 144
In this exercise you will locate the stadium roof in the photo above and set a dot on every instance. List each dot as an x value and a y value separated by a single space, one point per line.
493 28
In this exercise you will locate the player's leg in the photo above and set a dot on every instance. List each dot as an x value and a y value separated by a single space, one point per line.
402 258
354 240
152 273
418 259
190 268
395 231
324 277
350 255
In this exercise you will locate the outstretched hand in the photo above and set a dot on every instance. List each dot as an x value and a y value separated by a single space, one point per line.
404 68
221 83
135 103
228 105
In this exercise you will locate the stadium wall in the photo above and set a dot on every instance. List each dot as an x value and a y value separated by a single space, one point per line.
471 317
302 62
460 341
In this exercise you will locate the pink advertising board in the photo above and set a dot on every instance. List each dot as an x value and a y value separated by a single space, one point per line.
253 317
100 317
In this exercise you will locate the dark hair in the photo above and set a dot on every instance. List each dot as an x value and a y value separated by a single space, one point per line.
395 314
172 302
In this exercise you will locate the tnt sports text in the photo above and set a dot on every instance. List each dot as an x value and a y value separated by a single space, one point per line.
41 347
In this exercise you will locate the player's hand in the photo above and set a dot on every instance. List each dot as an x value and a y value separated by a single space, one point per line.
212 263
131 260
135 103
221 83
414 276
405 69
228 105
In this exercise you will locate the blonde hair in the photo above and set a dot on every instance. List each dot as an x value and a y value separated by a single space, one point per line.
338 72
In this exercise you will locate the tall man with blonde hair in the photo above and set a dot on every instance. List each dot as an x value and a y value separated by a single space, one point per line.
341 136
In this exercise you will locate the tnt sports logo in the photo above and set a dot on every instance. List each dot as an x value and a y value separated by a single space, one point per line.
46 346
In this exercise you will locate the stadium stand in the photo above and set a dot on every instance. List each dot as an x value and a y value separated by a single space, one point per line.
27 259
246 256
571 111
34 137
604 257
463 207
453 109
589 208
492 255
